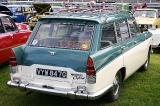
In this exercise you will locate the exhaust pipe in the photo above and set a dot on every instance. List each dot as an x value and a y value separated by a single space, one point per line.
29 93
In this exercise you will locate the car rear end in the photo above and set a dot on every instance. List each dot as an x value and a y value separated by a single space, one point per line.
56 59
156 37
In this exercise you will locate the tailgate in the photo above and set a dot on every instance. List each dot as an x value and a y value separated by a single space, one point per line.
58 67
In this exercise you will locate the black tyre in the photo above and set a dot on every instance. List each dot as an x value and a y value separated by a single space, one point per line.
114 93
145 66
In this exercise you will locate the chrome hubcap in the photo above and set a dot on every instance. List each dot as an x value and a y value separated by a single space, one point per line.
146 65
116 85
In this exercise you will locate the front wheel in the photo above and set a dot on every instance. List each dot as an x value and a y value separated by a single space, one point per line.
114 93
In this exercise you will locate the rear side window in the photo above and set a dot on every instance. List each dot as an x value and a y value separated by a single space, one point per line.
64 36
122 30
108 35
133 27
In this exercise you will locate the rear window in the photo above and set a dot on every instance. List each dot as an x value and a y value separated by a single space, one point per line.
64 36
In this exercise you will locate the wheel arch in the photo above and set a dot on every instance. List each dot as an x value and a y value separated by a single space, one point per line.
150 48
123 73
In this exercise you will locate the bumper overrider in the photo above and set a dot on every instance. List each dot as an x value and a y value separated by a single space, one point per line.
155 46
75 93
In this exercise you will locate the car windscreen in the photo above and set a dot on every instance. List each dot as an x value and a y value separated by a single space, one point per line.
64 36
145 13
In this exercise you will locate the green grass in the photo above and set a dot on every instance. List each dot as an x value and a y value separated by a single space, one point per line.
141 89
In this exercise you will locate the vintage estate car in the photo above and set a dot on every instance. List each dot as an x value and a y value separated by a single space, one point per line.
81 55
40 8
11 35
147 18
19 13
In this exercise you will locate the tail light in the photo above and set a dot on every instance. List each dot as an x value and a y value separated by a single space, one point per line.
90 72
13 63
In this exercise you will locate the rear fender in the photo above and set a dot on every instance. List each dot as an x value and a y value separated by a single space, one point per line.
19 51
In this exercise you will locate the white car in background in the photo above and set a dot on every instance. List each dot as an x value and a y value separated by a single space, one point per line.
156 37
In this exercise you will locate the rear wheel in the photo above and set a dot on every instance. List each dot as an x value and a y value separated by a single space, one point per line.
114 93
145 66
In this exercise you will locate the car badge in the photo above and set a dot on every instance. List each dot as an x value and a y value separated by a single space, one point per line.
52 53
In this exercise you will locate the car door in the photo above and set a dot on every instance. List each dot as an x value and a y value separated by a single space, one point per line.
19 37
20 15
5 44
140 45
130 53
27 13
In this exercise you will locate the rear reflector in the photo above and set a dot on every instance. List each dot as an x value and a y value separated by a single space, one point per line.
90 72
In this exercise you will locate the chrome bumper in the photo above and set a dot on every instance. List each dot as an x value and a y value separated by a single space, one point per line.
155 46
70 93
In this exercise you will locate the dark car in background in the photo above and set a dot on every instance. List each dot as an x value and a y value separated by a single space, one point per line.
19 13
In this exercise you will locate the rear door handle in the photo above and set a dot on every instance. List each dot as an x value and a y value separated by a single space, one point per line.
123 47
135 42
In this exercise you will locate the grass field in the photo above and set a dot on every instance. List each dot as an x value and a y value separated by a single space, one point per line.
141 89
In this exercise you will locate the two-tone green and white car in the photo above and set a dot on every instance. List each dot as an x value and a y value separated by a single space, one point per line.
80 55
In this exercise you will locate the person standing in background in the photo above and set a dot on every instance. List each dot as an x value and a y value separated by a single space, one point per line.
144 5
138 6
92 4
133 9
103 5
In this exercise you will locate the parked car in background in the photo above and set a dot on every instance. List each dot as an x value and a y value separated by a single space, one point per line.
156 37
4 2
1 4
40 8
147 18
81 55
11 35
19 13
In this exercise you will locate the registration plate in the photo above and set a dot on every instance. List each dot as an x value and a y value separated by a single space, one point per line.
52 73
